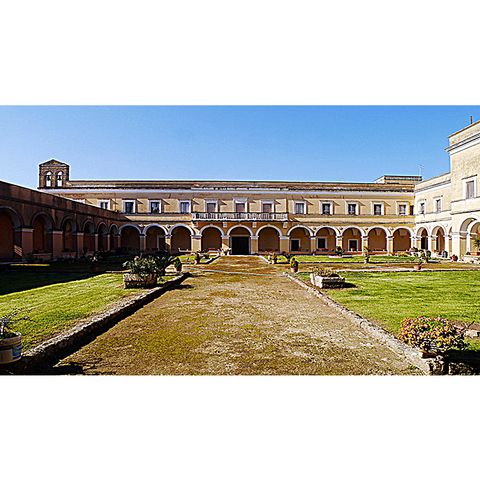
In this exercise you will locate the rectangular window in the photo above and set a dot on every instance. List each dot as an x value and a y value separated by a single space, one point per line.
470 189
184 207
438 205
299 208
402 209
326 208
421 208
352 245
105 204
240 207
377 209
352 208
128 206
267 207
322 243
295 245
211 207
154 206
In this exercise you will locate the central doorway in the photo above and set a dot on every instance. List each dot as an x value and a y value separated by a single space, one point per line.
240 241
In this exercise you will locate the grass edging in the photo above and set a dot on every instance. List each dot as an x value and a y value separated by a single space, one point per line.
412 355
60 346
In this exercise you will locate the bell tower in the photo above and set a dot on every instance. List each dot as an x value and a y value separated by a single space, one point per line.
53 174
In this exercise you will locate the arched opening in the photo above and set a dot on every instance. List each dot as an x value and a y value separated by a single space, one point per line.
423 235
240 241
474 247
7 236
69 237
325 240
268 240
377 240
88 238
59 179
300 240
114 238
130 239
155 240
352 240
102 238
401 240
48 179
42 234
211 239
440 242
181 241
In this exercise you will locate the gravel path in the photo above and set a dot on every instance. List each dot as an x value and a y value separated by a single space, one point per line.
218 323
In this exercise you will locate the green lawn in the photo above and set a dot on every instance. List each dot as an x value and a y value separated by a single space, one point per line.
353 259
389 297
56 301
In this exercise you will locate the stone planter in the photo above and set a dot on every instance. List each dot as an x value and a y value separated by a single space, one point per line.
132 280
327 282
10 349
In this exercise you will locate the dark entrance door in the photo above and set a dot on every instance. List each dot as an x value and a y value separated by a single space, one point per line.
240 246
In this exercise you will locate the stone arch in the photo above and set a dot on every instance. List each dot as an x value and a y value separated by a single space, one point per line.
377 239
212 226
173 227
240 240
42 225
352 239
422 235
153 225
10 237
211 238
130 238
300 239
439 234
181 239
326 239
268 239
155 238
102 232
88 237
473 233
402 239
229 232
269 226
113 233
308 229
69 237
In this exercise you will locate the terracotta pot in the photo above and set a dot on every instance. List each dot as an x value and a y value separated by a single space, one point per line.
10 349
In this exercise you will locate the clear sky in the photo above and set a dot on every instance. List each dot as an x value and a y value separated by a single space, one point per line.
349 143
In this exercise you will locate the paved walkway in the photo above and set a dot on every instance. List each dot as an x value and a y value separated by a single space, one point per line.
220 323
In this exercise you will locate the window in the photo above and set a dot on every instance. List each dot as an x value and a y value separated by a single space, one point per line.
421 208
185 206
267 207
438 205
48 179
154 206
322 243
378 209
128 206
352 208
211 207
326 208
470 189
402 209
299 208
105 204
295 245
352 245
240 207
59 179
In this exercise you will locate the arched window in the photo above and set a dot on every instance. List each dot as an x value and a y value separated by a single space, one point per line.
48 179
59 179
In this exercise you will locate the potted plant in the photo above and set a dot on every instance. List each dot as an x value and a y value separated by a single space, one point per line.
418 264
177 263
326 278
144 271
366 255
454 258
433 336
274 258
293 265
197 258
10 340
339 251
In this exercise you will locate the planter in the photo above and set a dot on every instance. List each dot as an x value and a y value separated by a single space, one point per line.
10 349
132 280
327 282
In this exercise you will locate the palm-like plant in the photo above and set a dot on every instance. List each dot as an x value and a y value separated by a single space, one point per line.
8 321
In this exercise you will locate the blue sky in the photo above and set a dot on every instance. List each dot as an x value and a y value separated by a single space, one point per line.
349 143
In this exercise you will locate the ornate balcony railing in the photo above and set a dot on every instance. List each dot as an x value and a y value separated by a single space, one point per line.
237 216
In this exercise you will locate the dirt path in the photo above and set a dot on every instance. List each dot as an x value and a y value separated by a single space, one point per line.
234 324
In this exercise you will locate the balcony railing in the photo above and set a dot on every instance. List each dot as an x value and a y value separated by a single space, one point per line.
239 216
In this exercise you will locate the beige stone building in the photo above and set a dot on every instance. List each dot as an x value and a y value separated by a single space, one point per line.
391 214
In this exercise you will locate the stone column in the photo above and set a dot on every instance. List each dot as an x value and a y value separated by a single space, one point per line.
142 243
196 243
80 241
57 243
254 244
338 241
390 244
432 243
168 242
313 244
364 243
459 244
95 242
284 244
225 242
26 242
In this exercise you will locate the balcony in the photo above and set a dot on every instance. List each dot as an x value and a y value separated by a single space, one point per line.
238 217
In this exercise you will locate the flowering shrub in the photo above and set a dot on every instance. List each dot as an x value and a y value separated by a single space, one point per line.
432 334
324 272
